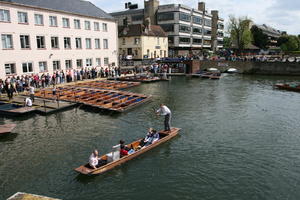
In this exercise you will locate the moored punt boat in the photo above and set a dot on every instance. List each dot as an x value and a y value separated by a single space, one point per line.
26 196
289 87
164 137
142 79
7 128
110 85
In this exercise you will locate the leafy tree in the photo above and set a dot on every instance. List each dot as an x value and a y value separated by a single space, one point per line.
240 34
289 43
260 39
227 42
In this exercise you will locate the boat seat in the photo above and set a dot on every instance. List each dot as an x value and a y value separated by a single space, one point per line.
115 154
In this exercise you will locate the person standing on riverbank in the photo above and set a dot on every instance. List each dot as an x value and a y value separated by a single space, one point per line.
165 111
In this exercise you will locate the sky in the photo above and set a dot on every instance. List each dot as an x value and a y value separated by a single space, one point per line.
280 14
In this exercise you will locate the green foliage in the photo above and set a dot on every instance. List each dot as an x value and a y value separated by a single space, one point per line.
289 43
240 33
260 39
227 42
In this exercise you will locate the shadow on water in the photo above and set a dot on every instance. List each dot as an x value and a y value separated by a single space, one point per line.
8 137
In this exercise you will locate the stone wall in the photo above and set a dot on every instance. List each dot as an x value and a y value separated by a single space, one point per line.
250 67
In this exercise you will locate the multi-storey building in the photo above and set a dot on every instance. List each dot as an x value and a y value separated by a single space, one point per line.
143 42
49 35
189 30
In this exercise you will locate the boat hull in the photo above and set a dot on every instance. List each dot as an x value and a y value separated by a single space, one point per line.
87 171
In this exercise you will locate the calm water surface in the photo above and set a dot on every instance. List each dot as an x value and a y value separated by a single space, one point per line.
240 139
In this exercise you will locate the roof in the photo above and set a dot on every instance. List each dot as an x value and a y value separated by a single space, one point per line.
128 12
141 30
80 7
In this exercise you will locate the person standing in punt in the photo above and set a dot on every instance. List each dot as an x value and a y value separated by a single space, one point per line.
165 111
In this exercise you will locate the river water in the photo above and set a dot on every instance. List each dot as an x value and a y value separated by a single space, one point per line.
240 139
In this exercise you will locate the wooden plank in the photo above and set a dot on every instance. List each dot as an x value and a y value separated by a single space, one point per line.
7 128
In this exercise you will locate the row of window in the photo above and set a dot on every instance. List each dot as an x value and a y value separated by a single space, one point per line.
167 16
27 67
7 42
53 21
185 29
186 40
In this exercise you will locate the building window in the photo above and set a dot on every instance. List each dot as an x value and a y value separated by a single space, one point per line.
197 41
137 18
96 26
78 43
97 43
27 67
76 23
23 17
157 41
7 42
167 27
54 43
207 32
39 19
79 63
104 27
88 43
66 22
87 25
98 62
40 41
184 40
105 43
197 31
43 66
207 22
184 29
106 61
52 20
166 16
25 43
136 41
184 17
56 65
123 41
67 43
89 62
4 15
68 64
197 20
10 68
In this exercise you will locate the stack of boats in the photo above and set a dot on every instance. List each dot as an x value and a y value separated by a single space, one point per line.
106 99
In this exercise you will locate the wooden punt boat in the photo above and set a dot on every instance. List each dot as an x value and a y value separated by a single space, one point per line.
7 128
164 137
295 88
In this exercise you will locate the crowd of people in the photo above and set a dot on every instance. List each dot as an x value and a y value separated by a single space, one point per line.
16 84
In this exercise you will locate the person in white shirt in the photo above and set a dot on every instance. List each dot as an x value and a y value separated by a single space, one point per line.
31 92
28 102
94 159
165 111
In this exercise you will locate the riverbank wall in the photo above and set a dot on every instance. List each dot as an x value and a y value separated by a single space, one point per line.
251 67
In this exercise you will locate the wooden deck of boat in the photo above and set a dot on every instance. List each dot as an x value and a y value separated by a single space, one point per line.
112 100
7 128
26 196
141 79
167 136
106 84
16 108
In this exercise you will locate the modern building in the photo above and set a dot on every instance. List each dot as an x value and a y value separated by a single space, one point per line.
143 42
189 30
42 36
272 33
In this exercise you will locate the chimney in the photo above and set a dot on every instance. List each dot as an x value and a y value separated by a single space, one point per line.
201 6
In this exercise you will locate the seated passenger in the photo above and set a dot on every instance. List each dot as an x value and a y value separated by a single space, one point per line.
155 136
148 139
28 102
122 142
95 161
123 152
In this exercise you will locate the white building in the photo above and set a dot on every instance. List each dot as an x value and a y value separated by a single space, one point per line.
42 36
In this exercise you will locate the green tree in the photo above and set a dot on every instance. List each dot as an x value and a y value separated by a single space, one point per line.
289 43
260 39
239 30
227 42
